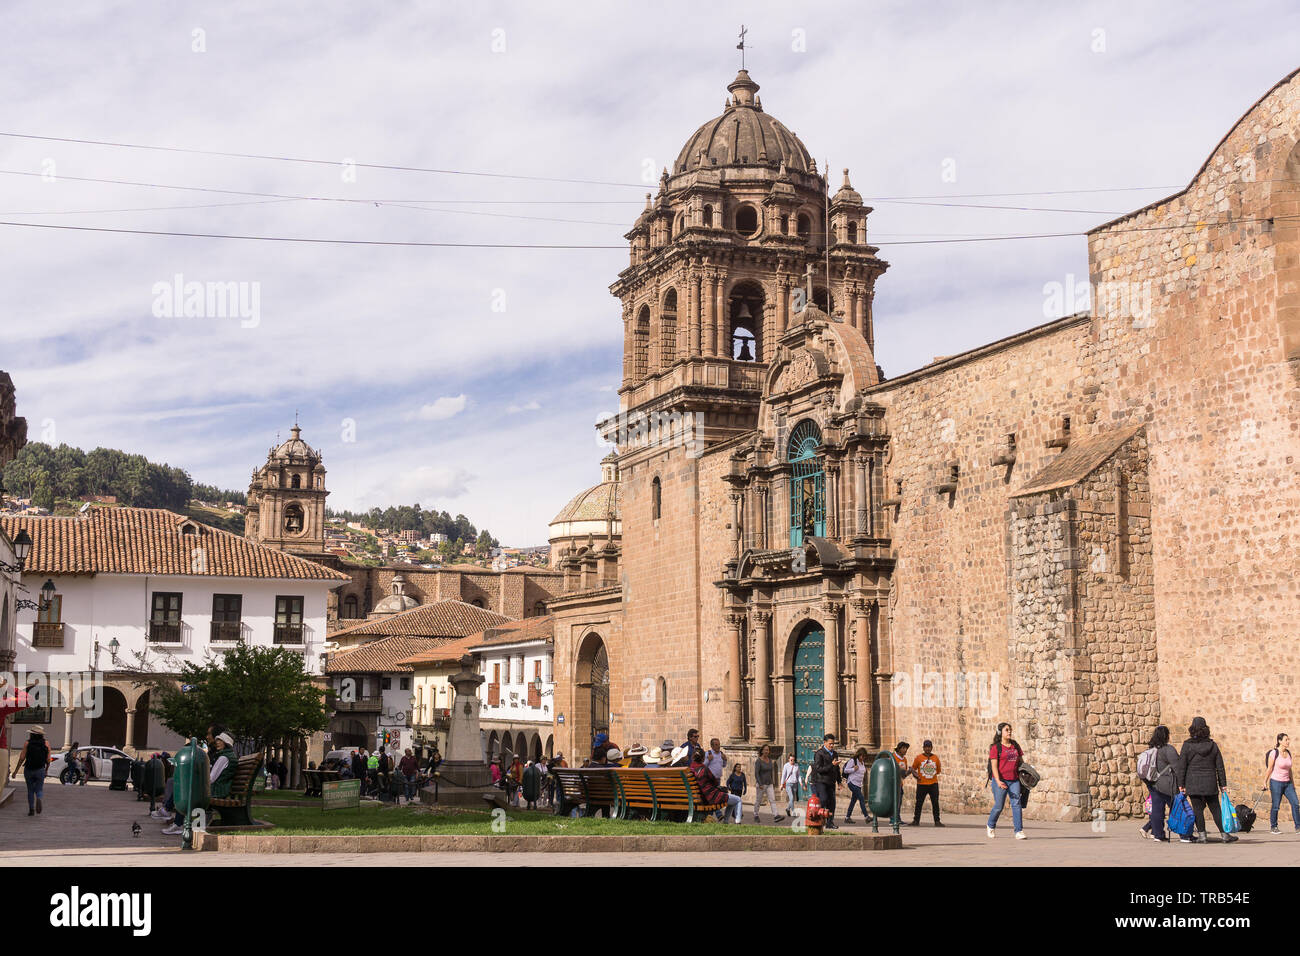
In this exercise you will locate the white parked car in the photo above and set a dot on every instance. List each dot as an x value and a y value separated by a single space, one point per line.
101 758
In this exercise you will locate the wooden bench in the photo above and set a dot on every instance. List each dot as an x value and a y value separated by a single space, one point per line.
662 791
235 810
594 789
312 779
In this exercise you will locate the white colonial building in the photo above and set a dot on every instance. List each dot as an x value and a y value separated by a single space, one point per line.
518 694
145 590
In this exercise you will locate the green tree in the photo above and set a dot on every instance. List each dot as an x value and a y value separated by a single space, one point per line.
260 694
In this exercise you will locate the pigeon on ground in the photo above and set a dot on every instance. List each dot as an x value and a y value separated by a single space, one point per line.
135 828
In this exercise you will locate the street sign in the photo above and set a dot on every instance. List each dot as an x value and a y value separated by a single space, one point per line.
340 794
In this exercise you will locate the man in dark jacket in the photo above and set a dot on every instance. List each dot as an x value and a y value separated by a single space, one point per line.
825 777
1201 776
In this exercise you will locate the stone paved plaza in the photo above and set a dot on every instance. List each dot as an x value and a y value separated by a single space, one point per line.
91 826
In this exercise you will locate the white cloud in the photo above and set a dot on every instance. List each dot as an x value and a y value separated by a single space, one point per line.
446 407
527 407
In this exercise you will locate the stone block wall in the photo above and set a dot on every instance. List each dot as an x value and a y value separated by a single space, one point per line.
1209 366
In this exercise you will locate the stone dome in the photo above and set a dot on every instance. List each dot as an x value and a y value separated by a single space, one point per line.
743 135
295 449
397 601
594 504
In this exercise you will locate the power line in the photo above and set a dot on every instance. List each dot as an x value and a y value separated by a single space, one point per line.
499 245
342 242
90 212
288 197
319 162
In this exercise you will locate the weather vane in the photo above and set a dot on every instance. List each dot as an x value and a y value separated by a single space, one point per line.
741 45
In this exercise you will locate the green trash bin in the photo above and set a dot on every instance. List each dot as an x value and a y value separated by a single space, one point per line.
191 789
883 794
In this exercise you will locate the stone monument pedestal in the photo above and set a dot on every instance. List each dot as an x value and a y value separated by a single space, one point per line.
464 779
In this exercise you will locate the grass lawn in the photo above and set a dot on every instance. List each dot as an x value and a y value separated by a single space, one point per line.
375 819
283 796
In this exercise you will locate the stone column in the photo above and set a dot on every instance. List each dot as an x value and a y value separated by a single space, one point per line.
762 678
709 294
832 498
627 346
130 728
869 329
779 533
782 309
884 673
736 497
862 640
863 523
67 726
831 670
720 317
764 539
693 313
734 714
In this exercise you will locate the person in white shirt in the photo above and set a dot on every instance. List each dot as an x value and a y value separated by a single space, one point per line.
790 783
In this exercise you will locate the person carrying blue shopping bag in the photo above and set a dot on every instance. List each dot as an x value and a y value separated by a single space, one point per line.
1200 775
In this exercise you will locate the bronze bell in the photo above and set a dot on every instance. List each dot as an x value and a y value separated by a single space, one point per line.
745 354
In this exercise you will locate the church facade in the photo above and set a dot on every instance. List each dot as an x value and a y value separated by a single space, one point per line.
1085 529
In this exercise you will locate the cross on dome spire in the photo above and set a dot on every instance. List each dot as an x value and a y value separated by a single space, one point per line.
741 46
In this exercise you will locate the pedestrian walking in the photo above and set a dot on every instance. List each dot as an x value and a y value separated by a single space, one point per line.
926 768
790 783
738 784
854 772
1005 758
1201 776
1281 782
764 789
36 756
1160 781
825 777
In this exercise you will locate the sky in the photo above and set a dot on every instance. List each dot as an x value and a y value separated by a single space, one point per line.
469 378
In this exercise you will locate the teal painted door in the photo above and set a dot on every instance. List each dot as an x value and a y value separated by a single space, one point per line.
809 721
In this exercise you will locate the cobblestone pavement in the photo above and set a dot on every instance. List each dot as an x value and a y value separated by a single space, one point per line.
91 826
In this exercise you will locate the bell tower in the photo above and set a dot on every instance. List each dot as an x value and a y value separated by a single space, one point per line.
286 499
720 262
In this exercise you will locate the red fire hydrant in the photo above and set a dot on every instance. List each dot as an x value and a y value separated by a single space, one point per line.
815 817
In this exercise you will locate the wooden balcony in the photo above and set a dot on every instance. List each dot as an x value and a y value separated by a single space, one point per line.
288 634
160 633
361 704
47 634
226 632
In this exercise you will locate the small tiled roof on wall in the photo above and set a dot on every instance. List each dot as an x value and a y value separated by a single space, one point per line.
442 619
380 657
540 628
1083 456
150 541
444 652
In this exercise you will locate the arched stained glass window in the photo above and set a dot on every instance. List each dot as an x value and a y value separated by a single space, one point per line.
807 484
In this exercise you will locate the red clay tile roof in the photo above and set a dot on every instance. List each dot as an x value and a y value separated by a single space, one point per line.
447 651
540 628
380 657
149 541
442 619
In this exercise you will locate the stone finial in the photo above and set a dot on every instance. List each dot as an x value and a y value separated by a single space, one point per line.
847 184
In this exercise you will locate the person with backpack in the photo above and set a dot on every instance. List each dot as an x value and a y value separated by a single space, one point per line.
1281 782
1156 770
1005 758
36 754
1201 776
